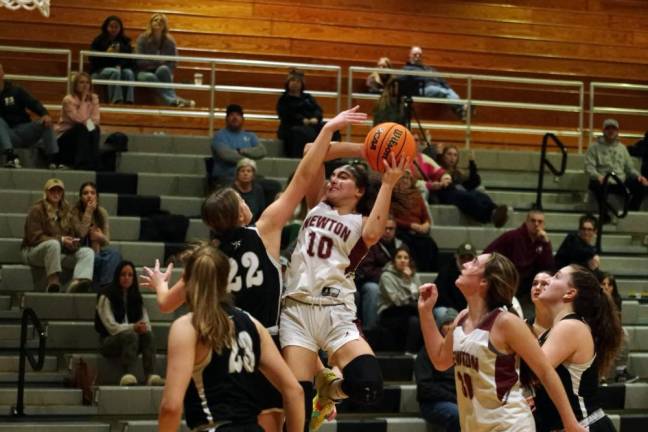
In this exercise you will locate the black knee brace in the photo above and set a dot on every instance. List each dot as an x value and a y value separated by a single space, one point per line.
363 381
308 402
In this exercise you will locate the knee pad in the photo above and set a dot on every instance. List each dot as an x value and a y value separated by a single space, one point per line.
363 381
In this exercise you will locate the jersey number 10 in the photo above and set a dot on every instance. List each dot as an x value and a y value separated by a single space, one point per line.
466 385
324 246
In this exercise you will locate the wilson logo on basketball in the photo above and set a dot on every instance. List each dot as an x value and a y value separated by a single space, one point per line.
392 142
376 137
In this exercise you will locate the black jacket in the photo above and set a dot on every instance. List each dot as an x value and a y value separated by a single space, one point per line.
14 103
102 43
574 250
431 384
449 294
292 111
640 150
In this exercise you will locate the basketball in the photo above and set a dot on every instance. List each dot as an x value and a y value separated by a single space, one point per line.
385 139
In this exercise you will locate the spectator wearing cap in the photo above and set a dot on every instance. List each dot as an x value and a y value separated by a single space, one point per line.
449 295
233 143
300 115
16 126
608 154
435 390
50 241
369 271
248 188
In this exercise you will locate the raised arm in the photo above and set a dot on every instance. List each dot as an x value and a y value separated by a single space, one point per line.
520 339
307 175
438 348
374 226
169 299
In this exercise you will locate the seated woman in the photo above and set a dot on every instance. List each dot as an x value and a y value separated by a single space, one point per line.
113 40
250 190
397 303
214 353
156 40
49 240
413 223
78 128
300 116
462 191
124 327
376 82
92 227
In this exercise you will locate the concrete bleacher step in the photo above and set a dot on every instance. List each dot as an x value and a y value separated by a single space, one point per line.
5 303
187 144
33 426
140 253
20 201
34 378
43 396
74 335
9 363
81 307
54 411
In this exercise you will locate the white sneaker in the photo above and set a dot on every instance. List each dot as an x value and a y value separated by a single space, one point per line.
128 380
155 380
13 163
52 166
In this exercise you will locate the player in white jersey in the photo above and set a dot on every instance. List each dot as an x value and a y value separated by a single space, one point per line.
484 347
582 313
319 308
255 281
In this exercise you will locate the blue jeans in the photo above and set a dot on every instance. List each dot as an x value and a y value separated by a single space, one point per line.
115 92
162 74
437 91
105 264
369 292
27 135
442 413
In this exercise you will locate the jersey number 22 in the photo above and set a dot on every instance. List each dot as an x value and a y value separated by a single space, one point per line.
253 276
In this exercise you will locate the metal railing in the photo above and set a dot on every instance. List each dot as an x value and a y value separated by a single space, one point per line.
593 109
470 79
545 162
42 78
28 316
604 206
212 87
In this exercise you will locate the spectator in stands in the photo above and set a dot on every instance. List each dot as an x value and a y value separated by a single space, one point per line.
300 116
123 324
463 192
608 154
113 40
248 188
529 248
435 390
78 128
49 240
640 150
369 271
609 287
156 40
449 294
413 221
233 143
397 303
376 81
92 226
16 127
429 86
578 248
389 108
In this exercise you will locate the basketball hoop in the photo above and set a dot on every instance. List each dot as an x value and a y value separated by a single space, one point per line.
42 5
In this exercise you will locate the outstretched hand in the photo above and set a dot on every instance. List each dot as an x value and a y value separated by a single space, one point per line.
346 118
154 278
395 170
428 295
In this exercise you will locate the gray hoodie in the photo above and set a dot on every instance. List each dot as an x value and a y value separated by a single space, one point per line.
602 158
396 289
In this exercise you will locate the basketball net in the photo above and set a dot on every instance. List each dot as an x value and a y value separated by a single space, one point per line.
42 5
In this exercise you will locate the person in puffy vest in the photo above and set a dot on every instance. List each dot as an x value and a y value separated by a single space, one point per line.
124 327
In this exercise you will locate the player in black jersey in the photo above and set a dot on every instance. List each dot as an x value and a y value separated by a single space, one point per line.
255 273
582 344
215 353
